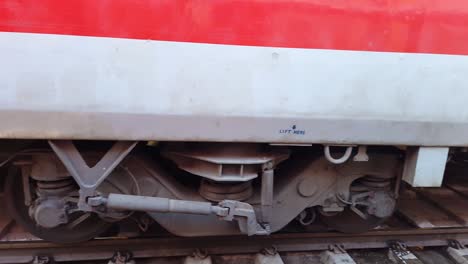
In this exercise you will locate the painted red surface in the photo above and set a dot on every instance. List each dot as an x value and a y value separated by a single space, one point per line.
424 26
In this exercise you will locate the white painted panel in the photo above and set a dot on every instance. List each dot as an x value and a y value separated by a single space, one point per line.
120 75
93 76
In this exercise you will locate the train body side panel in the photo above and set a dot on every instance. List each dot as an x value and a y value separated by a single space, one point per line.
395 75
134 89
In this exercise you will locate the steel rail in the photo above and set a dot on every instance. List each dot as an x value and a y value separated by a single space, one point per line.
101 249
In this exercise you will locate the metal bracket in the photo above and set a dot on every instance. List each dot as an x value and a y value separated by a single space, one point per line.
361 156
122 258
336 254
244 214
198 257
89 178
268 256
337 249
41 260
457 252
455 244
399 253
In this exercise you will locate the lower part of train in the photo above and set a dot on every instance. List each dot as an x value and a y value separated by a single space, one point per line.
70 191
233 117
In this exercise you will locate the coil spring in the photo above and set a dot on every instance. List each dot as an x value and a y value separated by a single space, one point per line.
55 187
215 191
371 183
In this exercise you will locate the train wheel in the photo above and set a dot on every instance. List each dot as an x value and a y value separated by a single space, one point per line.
81 226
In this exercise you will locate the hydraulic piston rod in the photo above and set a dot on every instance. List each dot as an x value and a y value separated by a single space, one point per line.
163 205
227 210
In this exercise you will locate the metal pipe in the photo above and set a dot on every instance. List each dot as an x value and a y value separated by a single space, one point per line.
163 205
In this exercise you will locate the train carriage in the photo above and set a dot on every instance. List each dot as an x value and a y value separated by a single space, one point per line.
226 117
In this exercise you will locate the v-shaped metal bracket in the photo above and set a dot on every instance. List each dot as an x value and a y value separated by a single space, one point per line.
89 178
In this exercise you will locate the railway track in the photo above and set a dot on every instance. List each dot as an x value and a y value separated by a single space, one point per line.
163 247
426 218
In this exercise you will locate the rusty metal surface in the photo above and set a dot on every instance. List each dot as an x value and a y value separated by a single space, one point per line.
174 246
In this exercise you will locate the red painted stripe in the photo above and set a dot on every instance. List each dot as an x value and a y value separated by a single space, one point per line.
425 26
